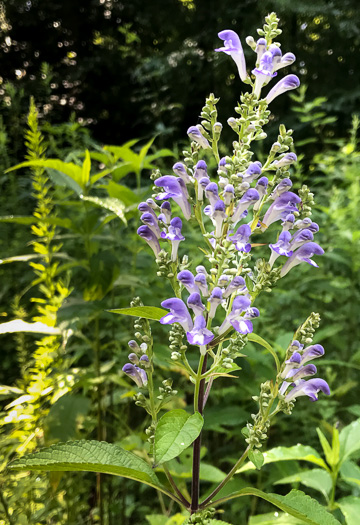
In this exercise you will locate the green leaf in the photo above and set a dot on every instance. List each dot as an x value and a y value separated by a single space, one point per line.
119 191
90 456
298 452
64 181
108 203
349 440
257 458
325 446
175 431
274 517
207 472
146 312
317 479
17 219
350 507
350 473
257 339
296 503
85 170
68 168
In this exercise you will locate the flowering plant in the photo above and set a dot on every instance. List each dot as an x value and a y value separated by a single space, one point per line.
212 307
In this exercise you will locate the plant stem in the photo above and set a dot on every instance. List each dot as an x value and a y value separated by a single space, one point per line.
175 487
198 406
238 464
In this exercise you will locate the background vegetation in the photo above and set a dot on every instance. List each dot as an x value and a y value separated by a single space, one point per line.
115 87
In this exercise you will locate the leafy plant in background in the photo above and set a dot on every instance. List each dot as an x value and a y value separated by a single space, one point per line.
229 286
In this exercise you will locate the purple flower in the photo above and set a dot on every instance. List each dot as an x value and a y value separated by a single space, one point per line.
200 170
303 254
250 197
261 188
304 223
174 235
229 193
252 173
241 238
146 233
144 360
200 335
212 193
300 238
312 352
233 47
174 188
218 217
180 169
286 60
195 135
264 72
285 84
295 375
136 373
287 202
222 164
145 208
281 247
194 302
260 49
293 362
133 358
237 284
283 186
165 215
149 219
309 388
134 346
186 278
201 269
200 281
240 305
214 300
178 313
286 160
288 222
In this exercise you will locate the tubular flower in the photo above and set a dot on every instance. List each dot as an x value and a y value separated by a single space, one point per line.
180 169
240 304
287 202
165 215
174 235
214 300
237 284
233 47
285 84
146 233
309 388
250 197
241 238
149 220
194 302
281 247
200 335
186 278
174 189
136 373
302 254
178 313
195 135
200 281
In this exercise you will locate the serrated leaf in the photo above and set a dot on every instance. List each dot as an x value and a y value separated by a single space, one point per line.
296 503
89 456
349 440
85 170
257 339
257 458
175 431
108 203
317 479
350 507
146 312
298 452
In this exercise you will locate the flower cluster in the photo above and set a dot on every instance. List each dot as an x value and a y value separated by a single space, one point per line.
296 368
233 204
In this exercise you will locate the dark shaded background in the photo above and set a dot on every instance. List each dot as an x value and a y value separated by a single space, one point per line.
132 69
